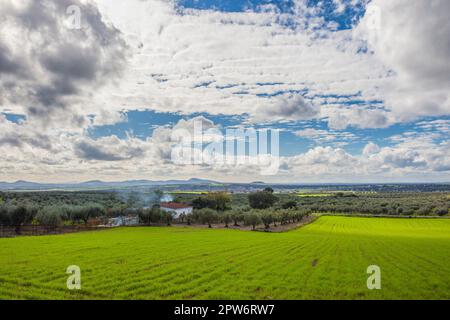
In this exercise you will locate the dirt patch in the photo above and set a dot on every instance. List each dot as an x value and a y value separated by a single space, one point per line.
260 228
291 226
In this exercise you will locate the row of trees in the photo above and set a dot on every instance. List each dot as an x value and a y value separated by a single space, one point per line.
221 201
18 215
373 206
248 217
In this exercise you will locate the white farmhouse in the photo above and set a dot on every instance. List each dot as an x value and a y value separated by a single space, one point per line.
176 208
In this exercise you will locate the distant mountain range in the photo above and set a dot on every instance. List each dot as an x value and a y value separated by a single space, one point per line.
97 184
211 185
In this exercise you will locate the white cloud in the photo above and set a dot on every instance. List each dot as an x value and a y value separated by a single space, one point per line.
413 38
232 63
344 117
219 63
326 136
288 107
371 148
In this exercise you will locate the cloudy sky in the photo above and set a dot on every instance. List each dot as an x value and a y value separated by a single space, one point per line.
358 89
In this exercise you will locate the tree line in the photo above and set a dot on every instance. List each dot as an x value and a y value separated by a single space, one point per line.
12 215
257 208
235 217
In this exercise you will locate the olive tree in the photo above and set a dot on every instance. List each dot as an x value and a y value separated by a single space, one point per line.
252 219
49 216
207 216
267 218
20 215
226 218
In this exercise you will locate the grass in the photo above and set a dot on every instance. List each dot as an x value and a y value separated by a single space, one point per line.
324 260
189 192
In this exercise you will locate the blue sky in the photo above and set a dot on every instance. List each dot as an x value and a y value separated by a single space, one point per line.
358 90
345 19
142 123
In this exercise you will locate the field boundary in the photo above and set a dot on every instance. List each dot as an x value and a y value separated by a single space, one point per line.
360 215
39 230
291 226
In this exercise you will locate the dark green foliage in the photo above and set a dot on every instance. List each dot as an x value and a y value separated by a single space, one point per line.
5 219
262 199
17 216
167 217
218 201
59 207
289 205
153 215
268 189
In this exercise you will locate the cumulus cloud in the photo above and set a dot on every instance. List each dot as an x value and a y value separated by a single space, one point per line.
108 149
194 62
412 37
272 66
286 107
370 148
46 66
342 118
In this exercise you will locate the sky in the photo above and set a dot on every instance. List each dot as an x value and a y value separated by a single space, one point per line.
357 90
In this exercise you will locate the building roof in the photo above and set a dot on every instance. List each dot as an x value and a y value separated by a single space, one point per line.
174 205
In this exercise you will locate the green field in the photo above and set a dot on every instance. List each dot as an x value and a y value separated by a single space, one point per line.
314 195
326 260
